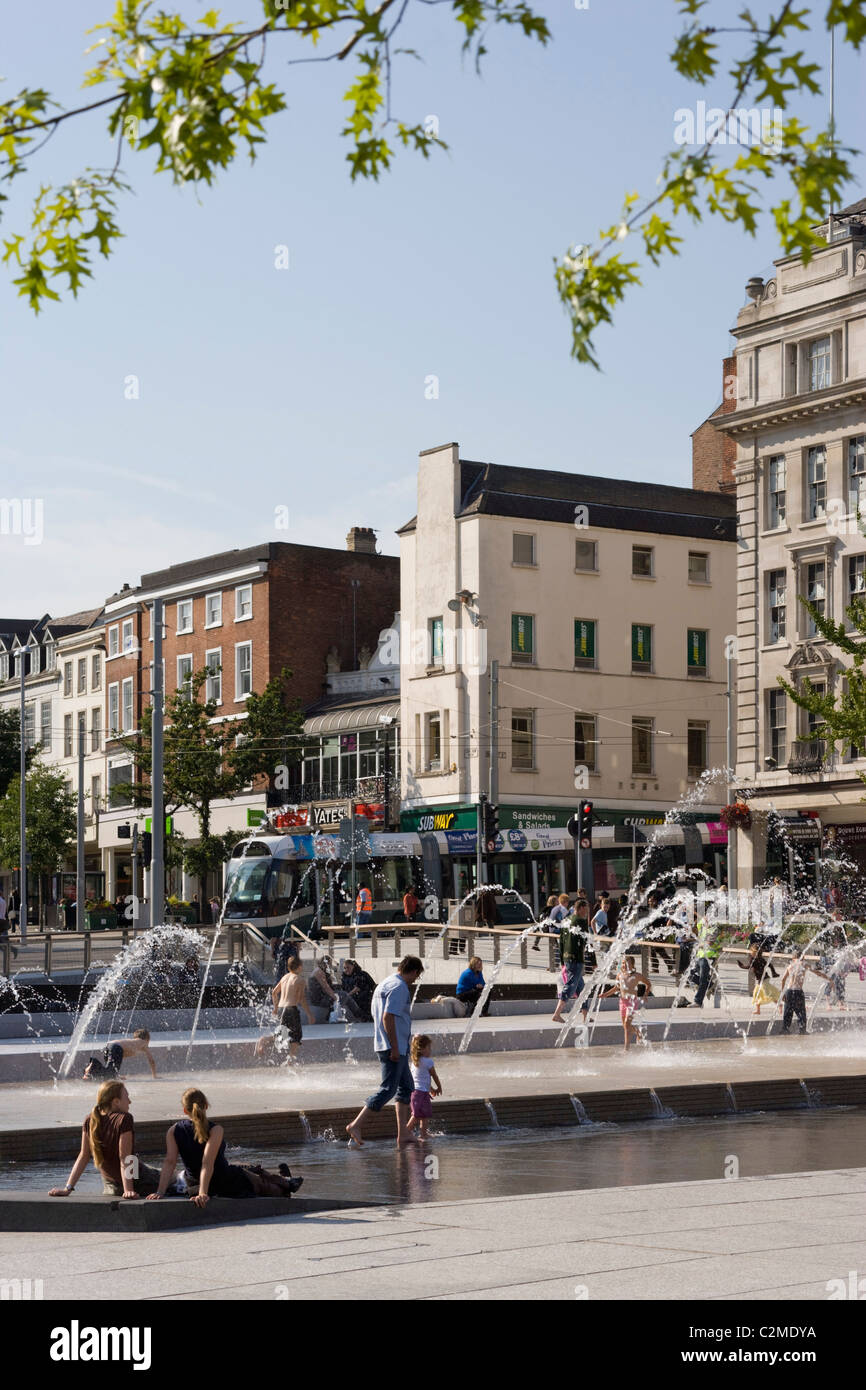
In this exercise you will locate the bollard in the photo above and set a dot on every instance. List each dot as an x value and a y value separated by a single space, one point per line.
6 949
645 960
551 952
49 943
353 945
88 949
470 946
124 937
375 950
496 948
421 942
397 951
446 946
524 959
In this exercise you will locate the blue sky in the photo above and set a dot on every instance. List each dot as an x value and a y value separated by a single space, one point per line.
262 389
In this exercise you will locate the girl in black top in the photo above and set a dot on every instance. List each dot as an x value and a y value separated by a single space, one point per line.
201 1147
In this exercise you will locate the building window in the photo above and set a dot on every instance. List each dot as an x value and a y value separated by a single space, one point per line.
523 738
50 656
776 492
82 675
699 567
67 678
214 686
698 738
96 672
584 644
641 746
45 726
67 735
696 652
243 670
777 594
184 677
113 709
184 615
437 642
777 720
30 725
856 579
586 555
522 549
82 730
642 561
243 603
113 647
128 640
213 610
857 475
585 742
816 465
819 364
815 593
35 654
126 710
641 647
95 795
119 782
95 729
4 666
434 742
522 639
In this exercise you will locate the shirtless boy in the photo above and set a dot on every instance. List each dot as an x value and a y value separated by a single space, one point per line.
114 1054
289 996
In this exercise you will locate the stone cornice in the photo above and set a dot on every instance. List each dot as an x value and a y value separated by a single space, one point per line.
791 408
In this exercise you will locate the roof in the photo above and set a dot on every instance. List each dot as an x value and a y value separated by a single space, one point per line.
853 210
540 494
75 621
362 711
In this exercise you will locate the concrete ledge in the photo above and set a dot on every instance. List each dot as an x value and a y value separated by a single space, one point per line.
288 1129
80 1212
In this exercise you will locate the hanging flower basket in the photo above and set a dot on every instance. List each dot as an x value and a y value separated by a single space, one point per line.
737 816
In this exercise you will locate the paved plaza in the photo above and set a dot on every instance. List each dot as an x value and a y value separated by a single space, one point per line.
776 1238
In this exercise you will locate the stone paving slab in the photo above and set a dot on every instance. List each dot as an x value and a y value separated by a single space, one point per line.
794 1233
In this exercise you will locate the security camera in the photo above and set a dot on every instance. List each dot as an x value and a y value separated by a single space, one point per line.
770 764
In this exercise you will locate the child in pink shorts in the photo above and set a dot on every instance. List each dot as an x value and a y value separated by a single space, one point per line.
425 1081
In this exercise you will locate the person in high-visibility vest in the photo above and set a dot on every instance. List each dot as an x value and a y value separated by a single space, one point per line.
707 953
364 904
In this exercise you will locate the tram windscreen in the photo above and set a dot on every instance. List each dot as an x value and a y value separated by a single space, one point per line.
246 888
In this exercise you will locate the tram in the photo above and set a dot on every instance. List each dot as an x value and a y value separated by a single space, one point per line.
311 880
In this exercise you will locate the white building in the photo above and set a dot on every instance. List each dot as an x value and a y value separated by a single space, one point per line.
606 605
800 429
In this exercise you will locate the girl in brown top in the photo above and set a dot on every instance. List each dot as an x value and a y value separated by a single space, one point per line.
108 1137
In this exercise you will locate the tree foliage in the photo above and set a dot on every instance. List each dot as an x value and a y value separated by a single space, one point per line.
772 70
51 820
10 748
839 712
194 97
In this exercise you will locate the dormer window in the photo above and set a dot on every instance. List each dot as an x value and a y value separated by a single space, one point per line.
50 656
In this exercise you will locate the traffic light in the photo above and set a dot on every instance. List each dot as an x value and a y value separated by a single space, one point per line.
146 848
490 823
584 820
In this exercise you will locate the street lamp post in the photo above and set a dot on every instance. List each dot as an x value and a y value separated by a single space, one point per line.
22 807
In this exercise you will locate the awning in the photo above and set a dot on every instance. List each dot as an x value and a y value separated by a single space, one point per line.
357 717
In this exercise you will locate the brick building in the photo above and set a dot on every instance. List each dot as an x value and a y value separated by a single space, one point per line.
714 453
245 615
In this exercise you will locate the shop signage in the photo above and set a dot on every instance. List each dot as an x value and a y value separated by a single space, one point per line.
327 817
845 834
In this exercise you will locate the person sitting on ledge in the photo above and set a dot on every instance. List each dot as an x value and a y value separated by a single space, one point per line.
114 1053
470 987
108 1137
356 991
201 1147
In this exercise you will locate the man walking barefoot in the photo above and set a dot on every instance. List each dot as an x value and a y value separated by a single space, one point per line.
392 1027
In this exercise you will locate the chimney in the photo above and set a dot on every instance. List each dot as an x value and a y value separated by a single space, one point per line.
714 453
362 539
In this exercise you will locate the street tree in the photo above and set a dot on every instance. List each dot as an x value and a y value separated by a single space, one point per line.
51 824
10 748
838 714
